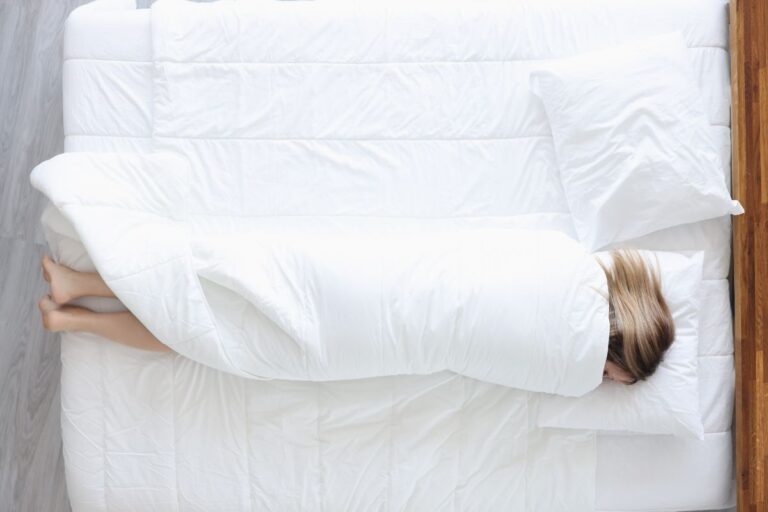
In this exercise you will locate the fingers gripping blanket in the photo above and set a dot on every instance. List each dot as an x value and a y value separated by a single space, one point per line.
525 309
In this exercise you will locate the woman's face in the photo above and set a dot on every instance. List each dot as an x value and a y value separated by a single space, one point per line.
614 372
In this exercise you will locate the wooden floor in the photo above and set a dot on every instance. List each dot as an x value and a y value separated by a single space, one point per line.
31 464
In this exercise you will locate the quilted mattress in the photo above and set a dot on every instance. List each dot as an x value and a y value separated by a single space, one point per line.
124 411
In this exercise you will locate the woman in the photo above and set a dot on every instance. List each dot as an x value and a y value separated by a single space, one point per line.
641 325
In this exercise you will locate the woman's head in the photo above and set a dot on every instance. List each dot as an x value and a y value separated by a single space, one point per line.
642 328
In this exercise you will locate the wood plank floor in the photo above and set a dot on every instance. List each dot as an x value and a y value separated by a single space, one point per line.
31 464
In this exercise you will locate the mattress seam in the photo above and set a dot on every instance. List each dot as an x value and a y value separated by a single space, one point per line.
380 217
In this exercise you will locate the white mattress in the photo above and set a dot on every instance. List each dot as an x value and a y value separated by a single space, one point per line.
124 411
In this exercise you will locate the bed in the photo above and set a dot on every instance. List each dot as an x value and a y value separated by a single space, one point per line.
138 428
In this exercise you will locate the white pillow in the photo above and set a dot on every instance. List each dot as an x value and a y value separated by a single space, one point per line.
632 140
668 401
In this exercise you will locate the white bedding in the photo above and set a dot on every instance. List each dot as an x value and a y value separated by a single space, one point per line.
123 410
525 309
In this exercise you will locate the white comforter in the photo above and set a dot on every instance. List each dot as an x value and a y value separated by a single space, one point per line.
525 309
327 115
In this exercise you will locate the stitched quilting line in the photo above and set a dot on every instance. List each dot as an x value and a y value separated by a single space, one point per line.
461 439
111 136
437 61
247 444
102 366
373 63
526 460
391 454
318 429
351 139
174 431
151 137
153 266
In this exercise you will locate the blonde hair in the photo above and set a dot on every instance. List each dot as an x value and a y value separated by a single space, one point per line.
642 328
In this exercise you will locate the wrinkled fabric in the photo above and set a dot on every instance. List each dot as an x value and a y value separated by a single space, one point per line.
525 309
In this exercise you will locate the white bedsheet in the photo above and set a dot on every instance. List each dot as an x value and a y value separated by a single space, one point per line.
122 409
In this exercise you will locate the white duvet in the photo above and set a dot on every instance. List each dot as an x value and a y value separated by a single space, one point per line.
525 309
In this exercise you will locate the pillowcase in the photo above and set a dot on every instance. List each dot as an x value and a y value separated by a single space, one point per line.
668 401
632 141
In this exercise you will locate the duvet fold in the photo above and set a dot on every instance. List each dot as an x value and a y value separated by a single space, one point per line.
521 308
